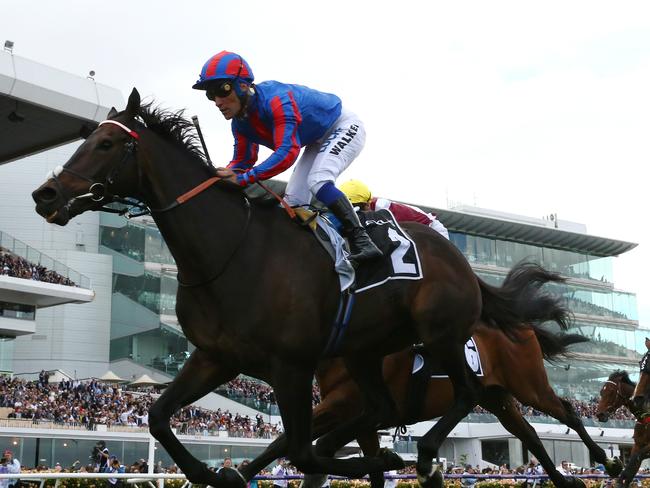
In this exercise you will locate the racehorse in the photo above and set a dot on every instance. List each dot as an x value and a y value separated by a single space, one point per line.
619 391
258 295
511 371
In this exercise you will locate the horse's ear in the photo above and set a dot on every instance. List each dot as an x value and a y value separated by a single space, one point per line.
111 113
86 130
133 106
647 343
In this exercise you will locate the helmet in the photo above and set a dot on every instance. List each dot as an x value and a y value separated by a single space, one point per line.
356 191
224 65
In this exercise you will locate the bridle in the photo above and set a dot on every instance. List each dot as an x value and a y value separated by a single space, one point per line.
98 192
619 395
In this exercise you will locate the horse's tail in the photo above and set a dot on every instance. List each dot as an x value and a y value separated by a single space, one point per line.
519 301
556 346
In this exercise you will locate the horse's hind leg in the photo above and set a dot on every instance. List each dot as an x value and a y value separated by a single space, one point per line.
562 410
379 407
503 405
531 387
199 376
466 393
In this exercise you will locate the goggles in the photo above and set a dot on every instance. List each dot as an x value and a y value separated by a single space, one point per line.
220 89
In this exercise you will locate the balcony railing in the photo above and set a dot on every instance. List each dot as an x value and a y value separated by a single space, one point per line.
34 256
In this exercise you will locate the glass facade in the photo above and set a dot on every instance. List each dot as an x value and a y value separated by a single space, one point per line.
143 325
145 287
505 254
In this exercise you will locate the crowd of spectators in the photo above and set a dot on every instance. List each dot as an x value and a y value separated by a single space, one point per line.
88 403
584 409
243 387
17 267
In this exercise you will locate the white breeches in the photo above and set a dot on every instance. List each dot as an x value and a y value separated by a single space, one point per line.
325 159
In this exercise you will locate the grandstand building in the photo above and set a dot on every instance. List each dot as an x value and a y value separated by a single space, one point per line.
127 279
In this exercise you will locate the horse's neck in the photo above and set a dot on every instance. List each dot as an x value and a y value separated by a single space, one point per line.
206 226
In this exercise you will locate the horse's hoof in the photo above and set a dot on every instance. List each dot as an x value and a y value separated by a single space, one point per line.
434 480
575 482
229 478
391 460
613 467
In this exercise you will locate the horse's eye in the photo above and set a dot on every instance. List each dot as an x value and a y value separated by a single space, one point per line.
105 144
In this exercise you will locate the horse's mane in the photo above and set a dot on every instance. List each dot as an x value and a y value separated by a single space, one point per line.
623 376
173 127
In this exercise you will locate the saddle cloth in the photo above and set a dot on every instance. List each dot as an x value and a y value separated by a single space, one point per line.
472 356
400 259
424 368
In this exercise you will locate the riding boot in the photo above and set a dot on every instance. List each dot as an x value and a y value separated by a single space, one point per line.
361 246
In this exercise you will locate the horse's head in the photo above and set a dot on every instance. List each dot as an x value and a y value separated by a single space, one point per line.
101 168
614 394
641 392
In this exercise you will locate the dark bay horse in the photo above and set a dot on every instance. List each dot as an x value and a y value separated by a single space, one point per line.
512 371
620 391
258 295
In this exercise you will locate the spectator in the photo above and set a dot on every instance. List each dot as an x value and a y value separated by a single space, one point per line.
115 467
13 467
101 456
280 471
227 463
564 468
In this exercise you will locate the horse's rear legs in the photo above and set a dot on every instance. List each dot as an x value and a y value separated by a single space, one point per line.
466 394
504 407
548 402
199 376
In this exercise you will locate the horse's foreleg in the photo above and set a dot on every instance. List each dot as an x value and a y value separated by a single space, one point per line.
503 406
199 376
292 387
633 464
466 394
327 415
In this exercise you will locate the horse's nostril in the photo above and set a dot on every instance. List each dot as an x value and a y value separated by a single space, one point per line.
45 195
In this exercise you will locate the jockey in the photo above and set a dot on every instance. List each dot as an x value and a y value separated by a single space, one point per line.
286 118
359 195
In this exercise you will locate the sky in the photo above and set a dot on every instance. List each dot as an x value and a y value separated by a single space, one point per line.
523 107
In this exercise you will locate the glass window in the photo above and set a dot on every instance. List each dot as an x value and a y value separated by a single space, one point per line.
17 311
496 451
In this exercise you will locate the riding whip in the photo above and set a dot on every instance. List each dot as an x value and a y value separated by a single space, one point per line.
195 121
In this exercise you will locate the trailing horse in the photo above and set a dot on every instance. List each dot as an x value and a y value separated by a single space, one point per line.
258 295
619 391
512 371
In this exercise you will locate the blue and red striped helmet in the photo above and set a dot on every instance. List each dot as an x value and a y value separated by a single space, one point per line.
224 65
